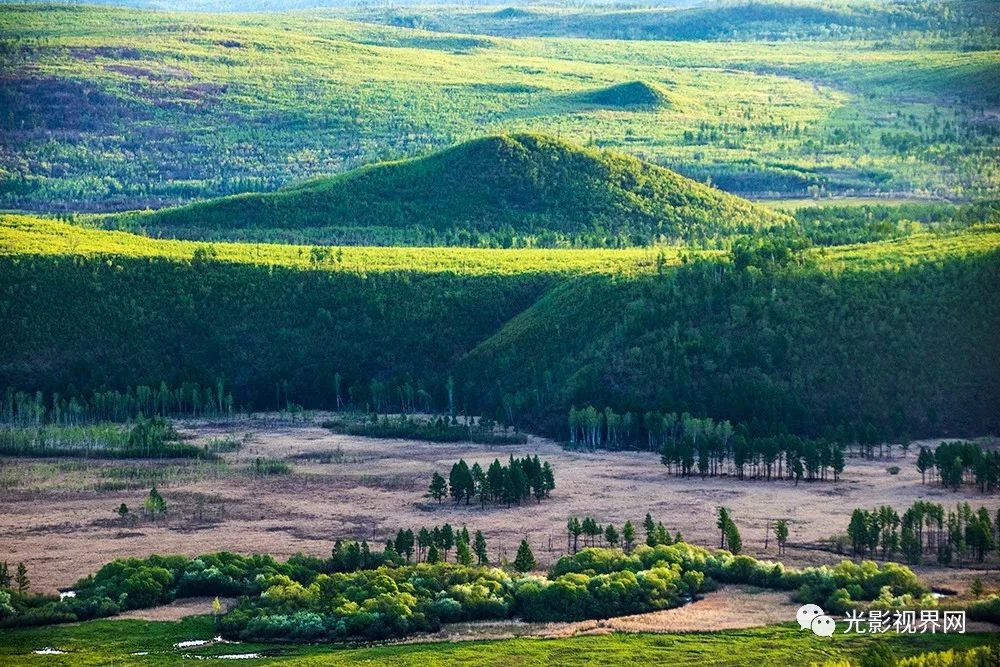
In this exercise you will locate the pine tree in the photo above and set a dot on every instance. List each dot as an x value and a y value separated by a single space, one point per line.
628 536
611 535
21 579
433 555
548 478
155 504
837 462
722 523
525 560
463 555
574 529
733 539
5 578
479 547
781 534
650 529
438 487
447 539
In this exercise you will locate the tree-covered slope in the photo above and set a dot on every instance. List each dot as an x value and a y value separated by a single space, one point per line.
526 183
903 342
899 335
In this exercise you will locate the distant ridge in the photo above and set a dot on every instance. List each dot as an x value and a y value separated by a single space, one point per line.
527 183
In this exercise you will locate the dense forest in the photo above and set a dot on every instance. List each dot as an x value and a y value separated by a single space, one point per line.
766 336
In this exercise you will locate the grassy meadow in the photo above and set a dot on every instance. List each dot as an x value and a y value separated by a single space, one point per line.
131 642
111 109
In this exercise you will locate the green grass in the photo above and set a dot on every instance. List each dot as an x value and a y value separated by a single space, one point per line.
112 109
114 641
22 235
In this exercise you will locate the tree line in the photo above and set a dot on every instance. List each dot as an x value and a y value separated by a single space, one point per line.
513 483
924 531
702 446
188 399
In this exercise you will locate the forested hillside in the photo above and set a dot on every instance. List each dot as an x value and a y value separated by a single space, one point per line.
895 340
895 335
508 185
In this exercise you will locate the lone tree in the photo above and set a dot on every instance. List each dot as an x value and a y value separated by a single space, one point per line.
155 504
123 511
525 560
21 579
781 534
722 523
438 487
4 575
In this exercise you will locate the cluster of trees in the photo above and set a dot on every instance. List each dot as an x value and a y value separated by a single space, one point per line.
360 593
925 530
691 445
594 534
440 429
520 479
146 438
960 462
434 545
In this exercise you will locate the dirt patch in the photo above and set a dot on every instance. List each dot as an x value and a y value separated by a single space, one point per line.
178 609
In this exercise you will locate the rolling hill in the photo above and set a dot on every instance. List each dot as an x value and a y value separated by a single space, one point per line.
517 184
896 334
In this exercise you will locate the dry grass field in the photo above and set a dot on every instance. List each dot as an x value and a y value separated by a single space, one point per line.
59 515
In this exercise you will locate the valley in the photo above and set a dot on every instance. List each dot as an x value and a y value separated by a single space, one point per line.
439 334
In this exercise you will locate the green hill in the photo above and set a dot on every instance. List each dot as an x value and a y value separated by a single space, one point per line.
633 95
524 184
899 335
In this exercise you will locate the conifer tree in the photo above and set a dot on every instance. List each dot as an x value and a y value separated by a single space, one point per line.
438 487
21 578
525 560
479 546
628 537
